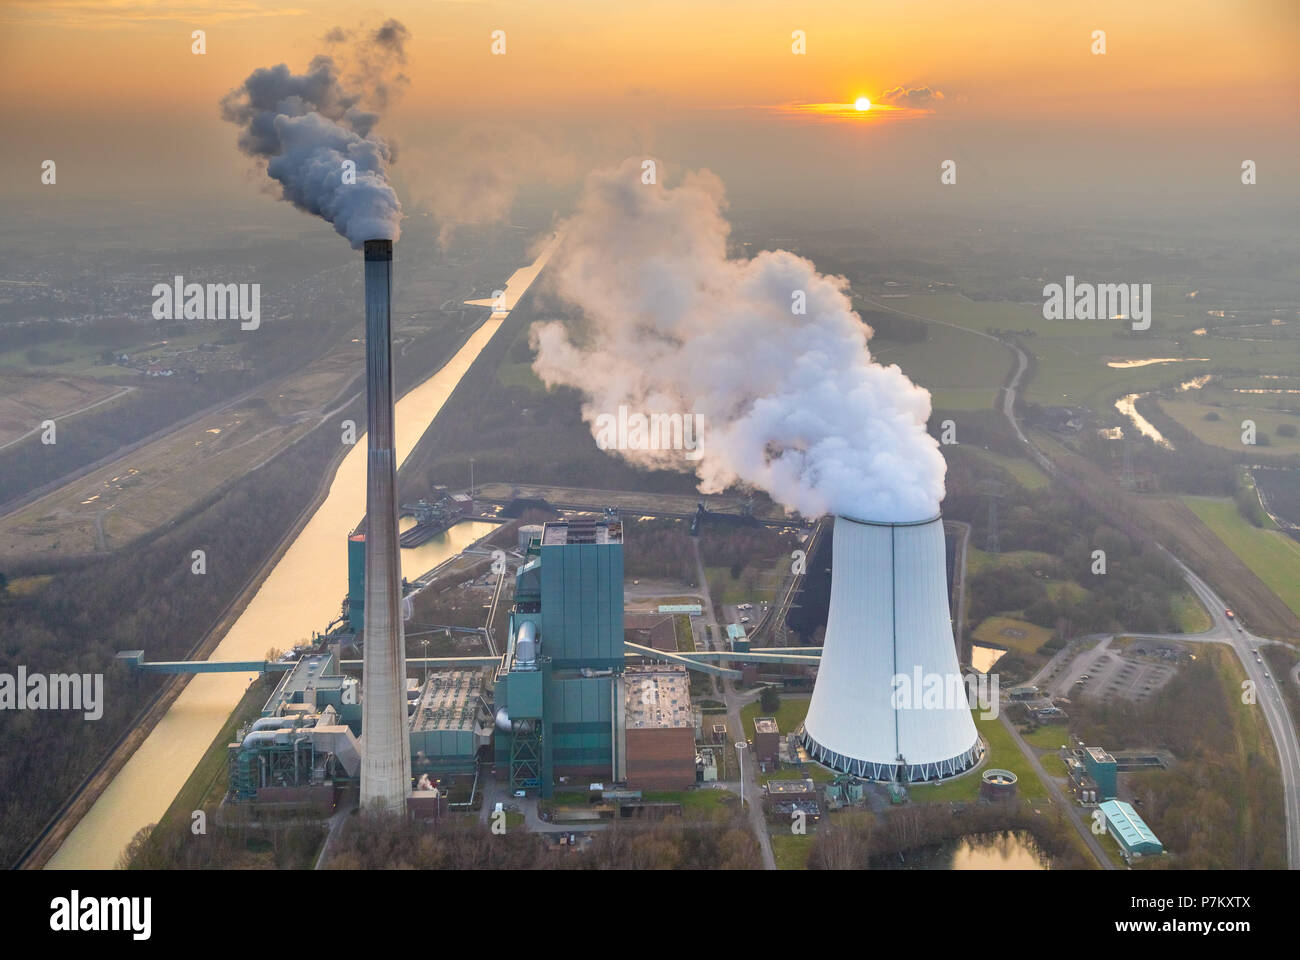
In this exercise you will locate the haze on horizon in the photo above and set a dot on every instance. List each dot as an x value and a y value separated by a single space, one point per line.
1033 119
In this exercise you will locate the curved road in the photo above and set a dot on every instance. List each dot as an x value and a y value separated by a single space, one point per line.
1227 631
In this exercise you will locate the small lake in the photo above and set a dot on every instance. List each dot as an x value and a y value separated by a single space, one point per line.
1007 850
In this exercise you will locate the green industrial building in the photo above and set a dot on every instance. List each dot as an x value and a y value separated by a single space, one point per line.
1132 834
1103 770
559 690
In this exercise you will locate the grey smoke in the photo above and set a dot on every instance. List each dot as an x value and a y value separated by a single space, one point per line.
792 404
307 125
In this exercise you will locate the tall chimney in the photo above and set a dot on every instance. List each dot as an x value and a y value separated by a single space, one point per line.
386 761
889 703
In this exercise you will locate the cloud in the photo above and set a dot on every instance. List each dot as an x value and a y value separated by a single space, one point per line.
919 97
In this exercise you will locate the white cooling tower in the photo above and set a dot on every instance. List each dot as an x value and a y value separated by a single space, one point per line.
889 619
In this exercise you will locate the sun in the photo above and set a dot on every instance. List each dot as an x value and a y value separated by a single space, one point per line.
862 103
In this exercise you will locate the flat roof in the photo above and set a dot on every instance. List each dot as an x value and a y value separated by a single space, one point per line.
765 725
1127 823
449 701
735 631
1099 755
778 788
558 533
658 697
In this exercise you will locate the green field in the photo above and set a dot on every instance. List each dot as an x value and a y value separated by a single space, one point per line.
1002 754
961 371
1007 632
1271 555
1226 431
1071 355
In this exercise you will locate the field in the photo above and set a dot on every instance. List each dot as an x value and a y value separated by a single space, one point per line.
1071 356
1271 555
1022 471
159 482
961 371
27 400
1011 633
1226 430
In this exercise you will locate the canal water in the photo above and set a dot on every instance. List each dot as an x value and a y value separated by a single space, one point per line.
302 593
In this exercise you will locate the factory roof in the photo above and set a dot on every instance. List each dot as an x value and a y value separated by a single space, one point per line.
658 696
559 533
449 701
300 683
1131 828
1099 755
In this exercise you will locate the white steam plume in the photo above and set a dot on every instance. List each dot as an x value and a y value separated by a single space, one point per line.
792 404
306 126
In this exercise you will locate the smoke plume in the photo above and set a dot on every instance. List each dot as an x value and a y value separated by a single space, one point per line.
307 126
791 403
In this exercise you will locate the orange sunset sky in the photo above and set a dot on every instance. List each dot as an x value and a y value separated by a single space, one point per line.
1185 90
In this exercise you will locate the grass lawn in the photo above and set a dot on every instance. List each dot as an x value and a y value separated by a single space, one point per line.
685 638
1048 737
788 716
1015 634
1271 555
1002 754
1191 613
791 850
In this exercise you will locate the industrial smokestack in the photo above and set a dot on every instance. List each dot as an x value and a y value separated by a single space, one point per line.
889 702
386 760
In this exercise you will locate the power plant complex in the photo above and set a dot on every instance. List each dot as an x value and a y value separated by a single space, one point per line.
568 698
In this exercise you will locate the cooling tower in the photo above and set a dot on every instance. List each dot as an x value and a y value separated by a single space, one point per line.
386 758
889 619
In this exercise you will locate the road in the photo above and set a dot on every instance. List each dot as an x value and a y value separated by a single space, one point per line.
1226 631
1269 697
1081 823
735 729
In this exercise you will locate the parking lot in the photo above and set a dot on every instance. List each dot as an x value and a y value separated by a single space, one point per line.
1109 671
